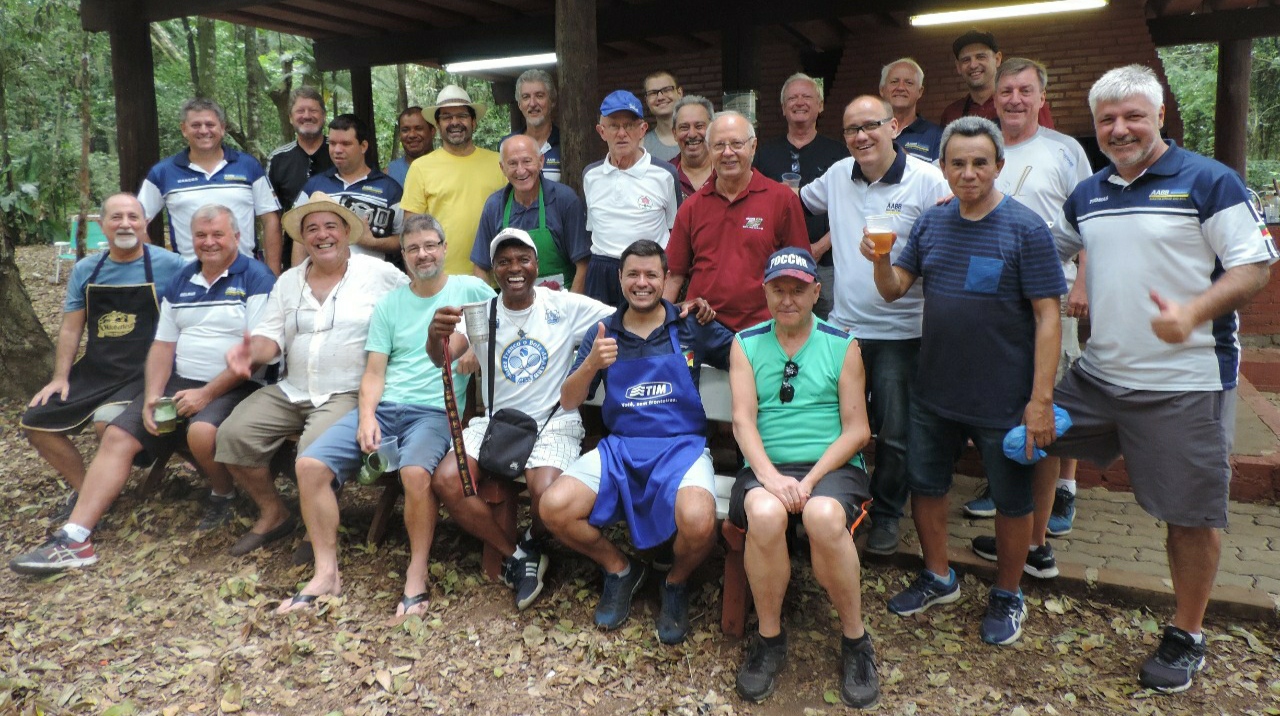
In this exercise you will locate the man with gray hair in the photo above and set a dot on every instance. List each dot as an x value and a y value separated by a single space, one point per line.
1157 380
536 98
991 286
804 152
290 165
689 121
209 172
902 86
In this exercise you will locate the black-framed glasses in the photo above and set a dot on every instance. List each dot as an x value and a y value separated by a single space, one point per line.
869 127
787 392
661 90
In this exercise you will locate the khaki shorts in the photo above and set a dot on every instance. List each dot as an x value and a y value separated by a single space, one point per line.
259 425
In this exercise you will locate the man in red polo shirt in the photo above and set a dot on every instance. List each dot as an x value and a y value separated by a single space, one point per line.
977 58
726 231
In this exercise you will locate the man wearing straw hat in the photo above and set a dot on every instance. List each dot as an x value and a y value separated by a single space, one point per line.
318 319
452 185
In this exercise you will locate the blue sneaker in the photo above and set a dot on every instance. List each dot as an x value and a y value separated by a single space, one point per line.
923 593
982 505
615 599
1064 513
1003 623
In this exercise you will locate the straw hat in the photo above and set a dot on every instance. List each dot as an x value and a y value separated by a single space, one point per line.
453 96
321 201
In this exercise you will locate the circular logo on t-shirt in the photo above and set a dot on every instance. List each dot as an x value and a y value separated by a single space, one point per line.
645 202
524 361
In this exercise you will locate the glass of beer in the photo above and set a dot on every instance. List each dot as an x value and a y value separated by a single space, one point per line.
165 415
880 228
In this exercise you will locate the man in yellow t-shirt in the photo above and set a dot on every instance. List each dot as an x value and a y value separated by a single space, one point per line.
452 185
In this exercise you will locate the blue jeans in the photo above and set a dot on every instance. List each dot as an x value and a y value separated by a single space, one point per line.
891 369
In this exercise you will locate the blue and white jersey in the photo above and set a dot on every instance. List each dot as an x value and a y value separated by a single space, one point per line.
374 197
238 183
206 320
1173 230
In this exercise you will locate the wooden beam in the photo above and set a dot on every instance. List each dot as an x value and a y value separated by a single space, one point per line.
579 107
137 126
266 23
362 107
1215 26
1231 110
346 12
512 37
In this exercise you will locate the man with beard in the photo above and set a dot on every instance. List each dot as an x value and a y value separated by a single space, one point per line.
902 86
805 152
538 330
977 58
113 295
291 165
536 98
452 185
691 118
317 322
661 92
548 210
205 310
401 398
416 135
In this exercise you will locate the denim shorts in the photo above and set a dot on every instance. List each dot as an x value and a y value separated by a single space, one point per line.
934 442
423 433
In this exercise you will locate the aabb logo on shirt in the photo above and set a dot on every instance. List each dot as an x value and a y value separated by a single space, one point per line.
893 207
646 391
1169 194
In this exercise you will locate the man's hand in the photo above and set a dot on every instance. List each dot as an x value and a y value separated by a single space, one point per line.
791 492
148 414
604 351
369 436
192 401
1078 301
469 363
1038 419
820 247
703 312
59 387
868 248
443 324
1173 325
240 359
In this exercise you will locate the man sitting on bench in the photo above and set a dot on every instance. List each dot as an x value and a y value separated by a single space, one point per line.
653 470
796 370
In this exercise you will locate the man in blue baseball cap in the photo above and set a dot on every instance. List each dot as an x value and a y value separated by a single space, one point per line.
630 194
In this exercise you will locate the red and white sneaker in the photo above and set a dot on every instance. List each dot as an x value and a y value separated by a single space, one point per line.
59 554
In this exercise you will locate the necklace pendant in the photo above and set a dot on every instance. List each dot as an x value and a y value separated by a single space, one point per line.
520 332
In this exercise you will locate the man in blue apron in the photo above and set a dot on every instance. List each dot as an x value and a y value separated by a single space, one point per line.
113 295
653 470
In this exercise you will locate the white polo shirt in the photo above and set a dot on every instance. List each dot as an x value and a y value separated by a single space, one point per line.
625 205
911 186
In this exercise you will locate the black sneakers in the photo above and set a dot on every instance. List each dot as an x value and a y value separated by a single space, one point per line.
1176 660
758 676
861 685
1041 563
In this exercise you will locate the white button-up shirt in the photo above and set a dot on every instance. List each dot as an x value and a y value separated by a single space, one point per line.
323 342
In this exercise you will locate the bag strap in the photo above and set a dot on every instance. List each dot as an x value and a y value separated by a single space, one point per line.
493 349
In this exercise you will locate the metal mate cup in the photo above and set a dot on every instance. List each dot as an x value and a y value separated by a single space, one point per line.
165 415
476 316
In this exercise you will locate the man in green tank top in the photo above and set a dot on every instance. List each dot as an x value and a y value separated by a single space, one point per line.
797 370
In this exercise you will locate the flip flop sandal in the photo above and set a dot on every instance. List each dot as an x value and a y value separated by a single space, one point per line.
410 602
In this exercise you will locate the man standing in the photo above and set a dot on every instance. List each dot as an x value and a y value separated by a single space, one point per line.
692 117
630 195
205 310
726 232
401 399
533 348
804 152
416 134
797 369
987 355
548 210
902 86
452 185
661 92
653 469
291 165
1041 169
208 172
536 98
114 296
318 320
878 178
1175 247
977 58
371 195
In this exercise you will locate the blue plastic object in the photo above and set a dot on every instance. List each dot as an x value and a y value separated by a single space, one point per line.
1015 441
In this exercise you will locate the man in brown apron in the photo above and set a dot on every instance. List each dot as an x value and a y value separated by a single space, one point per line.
114 296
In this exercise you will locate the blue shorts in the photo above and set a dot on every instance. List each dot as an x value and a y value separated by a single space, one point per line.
423 433
934 441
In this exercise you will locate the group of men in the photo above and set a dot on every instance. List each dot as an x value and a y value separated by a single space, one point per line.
955 327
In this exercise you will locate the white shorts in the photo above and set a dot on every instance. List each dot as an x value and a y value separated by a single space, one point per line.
559 444
586 470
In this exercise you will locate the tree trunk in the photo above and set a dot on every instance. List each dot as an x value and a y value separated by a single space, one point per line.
193 64
280 97
254 81
86 123
26 353
207 55
6 161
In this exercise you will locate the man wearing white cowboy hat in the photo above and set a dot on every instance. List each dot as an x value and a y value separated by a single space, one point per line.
452 185
318 318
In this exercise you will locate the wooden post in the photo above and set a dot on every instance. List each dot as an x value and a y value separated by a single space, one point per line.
504 92
579 106
133 78
739 60
362 107
1231 111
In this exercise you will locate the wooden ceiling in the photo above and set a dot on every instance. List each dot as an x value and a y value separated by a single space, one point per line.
376 32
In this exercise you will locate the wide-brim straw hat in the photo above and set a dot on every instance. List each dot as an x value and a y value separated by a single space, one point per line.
321 201
453 96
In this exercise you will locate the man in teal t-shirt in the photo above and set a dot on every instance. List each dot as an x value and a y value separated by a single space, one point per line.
800 418
401 397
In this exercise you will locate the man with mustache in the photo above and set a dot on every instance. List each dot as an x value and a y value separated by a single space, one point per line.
977 58
290 165
113 300
690 121
416 134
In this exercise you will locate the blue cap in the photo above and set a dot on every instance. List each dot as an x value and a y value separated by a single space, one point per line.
621 101
796 263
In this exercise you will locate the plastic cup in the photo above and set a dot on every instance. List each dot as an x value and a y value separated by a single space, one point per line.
880 228
385 459
476 317
791 179
165 416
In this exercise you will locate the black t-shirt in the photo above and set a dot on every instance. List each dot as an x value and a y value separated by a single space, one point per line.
778 157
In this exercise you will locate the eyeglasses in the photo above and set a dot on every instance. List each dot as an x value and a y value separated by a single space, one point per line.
333 311
429 246
787 392
661 90
869 127
628 127
735 145
447 118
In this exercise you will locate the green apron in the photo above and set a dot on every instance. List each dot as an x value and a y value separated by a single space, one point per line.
554 270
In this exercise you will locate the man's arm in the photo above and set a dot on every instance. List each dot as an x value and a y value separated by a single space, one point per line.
1038 414
444 327
1232 290
272 241
580 276
746 408
251 354
63 358
372 384
603 353
855 428
1078 298
892 282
